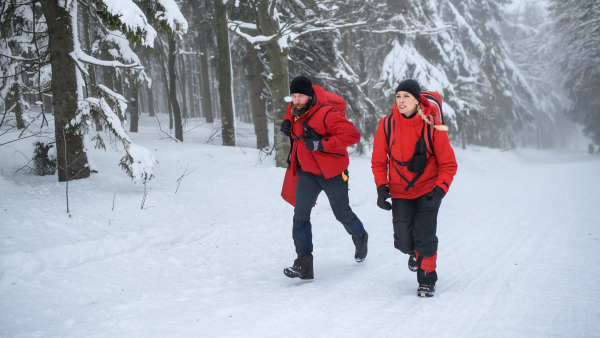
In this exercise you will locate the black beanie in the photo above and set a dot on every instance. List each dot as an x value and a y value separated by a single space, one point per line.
301 85
410 86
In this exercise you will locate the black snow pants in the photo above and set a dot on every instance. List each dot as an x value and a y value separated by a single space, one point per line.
308 189
415 226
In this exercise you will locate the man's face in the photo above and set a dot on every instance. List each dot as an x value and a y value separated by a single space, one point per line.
300 99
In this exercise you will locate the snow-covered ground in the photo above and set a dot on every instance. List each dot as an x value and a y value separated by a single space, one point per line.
519 252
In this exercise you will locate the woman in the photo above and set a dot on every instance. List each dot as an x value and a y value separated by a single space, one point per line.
414 164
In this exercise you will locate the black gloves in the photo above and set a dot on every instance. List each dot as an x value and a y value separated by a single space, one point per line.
434 198
312 140
286 127
439 191
313 144
383 193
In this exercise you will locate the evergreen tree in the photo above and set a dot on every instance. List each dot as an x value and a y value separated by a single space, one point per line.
576 46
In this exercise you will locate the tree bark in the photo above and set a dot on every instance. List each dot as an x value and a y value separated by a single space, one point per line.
162 63
134 106
279 82
224 67
18 102
206 97
190 85
150 98
259 114
69 148
182 74
173 90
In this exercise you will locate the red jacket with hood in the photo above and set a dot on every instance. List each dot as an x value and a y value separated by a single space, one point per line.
440 169
338 134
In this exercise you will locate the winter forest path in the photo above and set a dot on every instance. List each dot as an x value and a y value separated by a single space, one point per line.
519 254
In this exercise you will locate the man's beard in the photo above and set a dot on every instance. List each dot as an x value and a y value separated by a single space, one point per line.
299 109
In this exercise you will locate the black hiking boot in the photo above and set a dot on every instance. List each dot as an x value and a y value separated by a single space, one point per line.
426 290
302 268
412 262
361 246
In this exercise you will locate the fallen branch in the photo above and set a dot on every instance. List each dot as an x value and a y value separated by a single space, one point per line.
164 132
184 175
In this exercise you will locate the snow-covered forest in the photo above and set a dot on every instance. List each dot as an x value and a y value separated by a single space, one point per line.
510 74
141 166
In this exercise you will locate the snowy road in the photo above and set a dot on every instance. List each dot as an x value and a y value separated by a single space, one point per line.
519 253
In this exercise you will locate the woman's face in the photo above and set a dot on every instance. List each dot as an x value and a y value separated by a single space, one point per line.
407 104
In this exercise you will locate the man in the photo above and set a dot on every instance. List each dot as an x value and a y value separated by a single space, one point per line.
320 133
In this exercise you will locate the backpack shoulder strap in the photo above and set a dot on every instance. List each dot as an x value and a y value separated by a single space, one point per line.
325 115
315 113
431 133
387 129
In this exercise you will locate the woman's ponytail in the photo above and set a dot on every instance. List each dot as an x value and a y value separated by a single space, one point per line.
438 127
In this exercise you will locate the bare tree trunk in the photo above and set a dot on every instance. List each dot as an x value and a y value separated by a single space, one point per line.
259 114
224 67
150 98
148 92
14 99
173 89
183 86
279 82
190 86
206 97
18 106
64 92
164 69
134 106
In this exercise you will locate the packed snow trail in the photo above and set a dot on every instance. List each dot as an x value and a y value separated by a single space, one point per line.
519 251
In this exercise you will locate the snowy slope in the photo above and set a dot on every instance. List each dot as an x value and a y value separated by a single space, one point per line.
519 252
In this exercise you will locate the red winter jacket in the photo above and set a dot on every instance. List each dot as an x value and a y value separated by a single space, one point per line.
338 134
440 169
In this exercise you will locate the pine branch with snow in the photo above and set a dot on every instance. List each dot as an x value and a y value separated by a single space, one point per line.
138 163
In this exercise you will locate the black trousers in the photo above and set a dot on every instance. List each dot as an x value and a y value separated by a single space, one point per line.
415 225
308 189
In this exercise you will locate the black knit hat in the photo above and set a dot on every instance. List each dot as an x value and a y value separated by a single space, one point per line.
301 85
410 86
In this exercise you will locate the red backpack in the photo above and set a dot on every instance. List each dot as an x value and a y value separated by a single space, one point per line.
436 101
336 102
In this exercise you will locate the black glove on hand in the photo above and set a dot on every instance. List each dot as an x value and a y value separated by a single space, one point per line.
439 191
313 144
434 198
383 193
286 127
312 140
